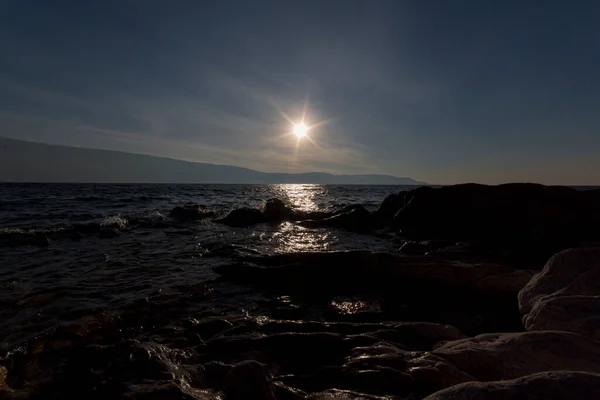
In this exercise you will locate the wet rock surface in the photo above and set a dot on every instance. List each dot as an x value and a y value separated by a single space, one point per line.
544 385
447 314
565 295
498 356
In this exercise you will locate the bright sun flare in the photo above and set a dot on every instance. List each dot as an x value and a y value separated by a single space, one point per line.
300 130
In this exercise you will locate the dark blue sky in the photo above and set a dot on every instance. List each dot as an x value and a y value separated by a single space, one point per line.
441 91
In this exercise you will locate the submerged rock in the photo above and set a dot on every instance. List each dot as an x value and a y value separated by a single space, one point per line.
191 212
556 385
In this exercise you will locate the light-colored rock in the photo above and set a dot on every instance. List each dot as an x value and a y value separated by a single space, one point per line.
579 314
570 272
565 295
545 385
499 356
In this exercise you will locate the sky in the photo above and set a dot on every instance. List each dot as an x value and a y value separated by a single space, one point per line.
439 91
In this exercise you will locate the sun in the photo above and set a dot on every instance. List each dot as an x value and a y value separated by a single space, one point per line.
300 130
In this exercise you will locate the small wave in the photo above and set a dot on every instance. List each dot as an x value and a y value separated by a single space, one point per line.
115 221
10 230
156 215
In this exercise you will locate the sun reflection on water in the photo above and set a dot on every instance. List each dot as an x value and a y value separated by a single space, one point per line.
304 197
290 238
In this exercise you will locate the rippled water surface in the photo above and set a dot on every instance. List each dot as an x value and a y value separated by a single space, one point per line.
156 261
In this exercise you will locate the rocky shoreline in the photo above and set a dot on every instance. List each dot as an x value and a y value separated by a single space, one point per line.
494 293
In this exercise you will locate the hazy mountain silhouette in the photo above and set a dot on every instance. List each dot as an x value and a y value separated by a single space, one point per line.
22 161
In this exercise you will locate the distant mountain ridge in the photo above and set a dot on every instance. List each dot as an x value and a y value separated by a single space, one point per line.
22 161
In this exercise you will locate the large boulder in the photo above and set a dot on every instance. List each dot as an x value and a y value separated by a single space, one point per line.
498 356
565 295
389 207
544 385
580 314
539 219
571 272
275 210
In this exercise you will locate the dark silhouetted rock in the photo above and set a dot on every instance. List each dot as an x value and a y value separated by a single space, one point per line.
355 219
215 373
538 220
249 380
191 212
243 217
109 233
389 207
556 385
275 210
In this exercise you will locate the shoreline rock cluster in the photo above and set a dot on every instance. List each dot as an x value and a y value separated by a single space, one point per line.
555 352
464 310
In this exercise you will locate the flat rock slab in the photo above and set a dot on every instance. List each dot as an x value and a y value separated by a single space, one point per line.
545 385
497 356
